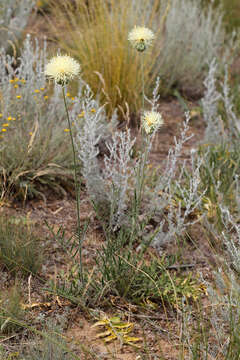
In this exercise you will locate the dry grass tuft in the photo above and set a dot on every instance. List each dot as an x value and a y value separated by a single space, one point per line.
97 35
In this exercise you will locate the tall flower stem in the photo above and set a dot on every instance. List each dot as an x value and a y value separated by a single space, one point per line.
142 162
76 189
142 79
144 143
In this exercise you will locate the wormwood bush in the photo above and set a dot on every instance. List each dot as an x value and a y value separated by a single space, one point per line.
192 38
231 12
34 149
13 19
219 114
114 185
224 292
219 174
186 39
220 146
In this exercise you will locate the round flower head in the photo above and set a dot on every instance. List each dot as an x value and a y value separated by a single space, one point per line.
62 69
151 121
140 38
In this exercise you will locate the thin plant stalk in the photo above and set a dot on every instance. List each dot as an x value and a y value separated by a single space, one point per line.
143 161
76 189
143 82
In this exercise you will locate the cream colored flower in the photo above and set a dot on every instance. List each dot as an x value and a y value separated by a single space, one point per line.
62 69
151 120
141 38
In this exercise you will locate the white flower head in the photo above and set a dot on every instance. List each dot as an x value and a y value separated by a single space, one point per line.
151 121
141 38
62 69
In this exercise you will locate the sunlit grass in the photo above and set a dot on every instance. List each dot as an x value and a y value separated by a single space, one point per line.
97 35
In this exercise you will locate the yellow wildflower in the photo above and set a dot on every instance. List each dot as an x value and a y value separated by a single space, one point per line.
46 97
81 115
93 110
19 96
5 124
66 130
9 118
16 86
3 130
37 91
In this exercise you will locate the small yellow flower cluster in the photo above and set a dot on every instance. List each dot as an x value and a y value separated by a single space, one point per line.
6 124
81 115
16 81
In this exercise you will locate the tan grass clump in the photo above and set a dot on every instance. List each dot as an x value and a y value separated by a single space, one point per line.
97 35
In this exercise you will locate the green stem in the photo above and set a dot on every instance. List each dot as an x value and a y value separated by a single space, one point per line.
142 165
142 76
76 189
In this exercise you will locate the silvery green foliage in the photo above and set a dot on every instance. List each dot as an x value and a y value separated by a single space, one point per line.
216 131
32 62
113 183
232 118
225 293
210 102
90 130
14 15
154 101
34 113
119 172
171 182
191 39
107 184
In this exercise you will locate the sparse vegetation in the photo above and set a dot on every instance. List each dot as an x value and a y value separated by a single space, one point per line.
19 246
152 255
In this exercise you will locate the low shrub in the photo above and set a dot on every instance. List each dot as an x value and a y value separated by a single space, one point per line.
14 15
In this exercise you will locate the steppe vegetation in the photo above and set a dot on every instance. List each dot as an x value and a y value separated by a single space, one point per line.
119 180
